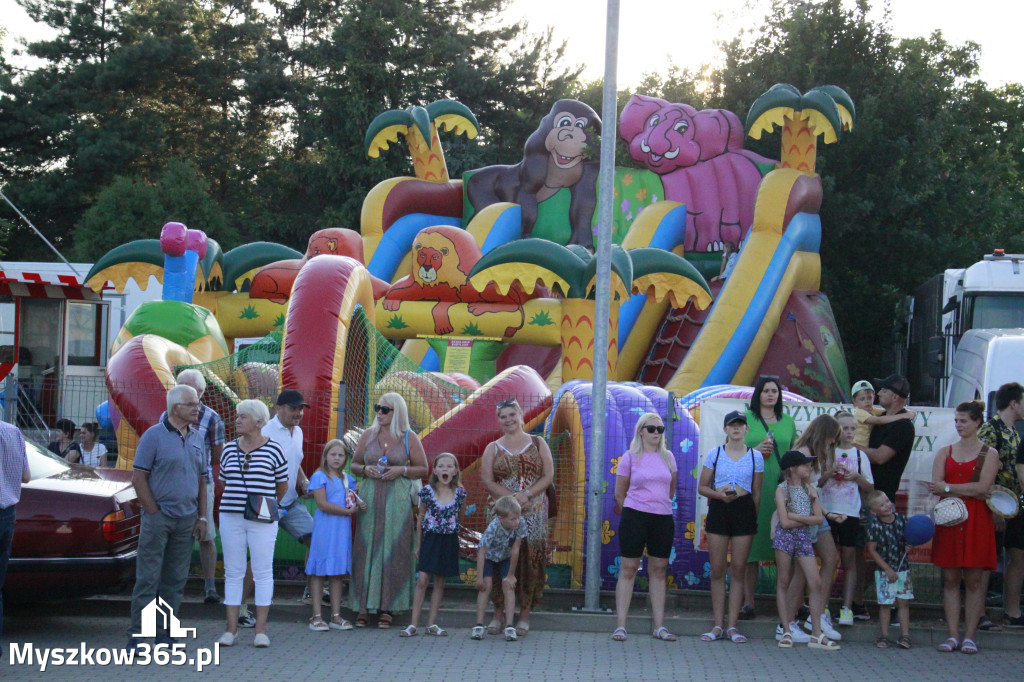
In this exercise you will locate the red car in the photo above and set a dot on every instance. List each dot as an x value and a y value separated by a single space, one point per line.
76 533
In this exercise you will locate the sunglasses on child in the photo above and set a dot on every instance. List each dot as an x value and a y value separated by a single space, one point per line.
383 409
655 429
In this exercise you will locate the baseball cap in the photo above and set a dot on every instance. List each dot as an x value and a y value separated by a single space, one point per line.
735 416
861 385
895 383
794 458
291 398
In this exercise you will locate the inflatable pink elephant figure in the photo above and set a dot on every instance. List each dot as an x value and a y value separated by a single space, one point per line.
700 158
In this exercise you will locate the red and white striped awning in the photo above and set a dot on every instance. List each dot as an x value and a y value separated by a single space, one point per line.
48 281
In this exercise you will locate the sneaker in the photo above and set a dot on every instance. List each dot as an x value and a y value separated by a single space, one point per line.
799 636
803 613
164 638
478 632
261 641
846 616
860 612
306 598
211 597
747 612
246 619
227 639
510 634
828 628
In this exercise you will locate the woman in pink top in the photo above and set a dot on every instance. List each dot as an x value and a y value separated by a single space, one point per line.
644 486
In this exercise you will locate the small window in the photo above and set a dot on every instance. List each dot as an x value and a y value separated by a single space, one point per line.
87 334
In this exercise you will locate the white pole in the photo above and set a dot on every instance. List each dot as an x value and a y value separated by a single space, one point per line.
595 467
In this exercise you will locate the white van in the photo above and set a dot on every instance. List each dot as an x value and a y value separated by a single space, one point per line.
984 360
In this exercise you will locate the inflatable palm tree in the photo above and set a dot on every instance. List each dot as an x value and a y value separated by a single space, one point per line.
419 125
825 110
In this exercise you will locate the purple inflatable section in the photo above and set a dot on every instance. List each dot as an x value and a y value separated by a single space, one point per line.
626 402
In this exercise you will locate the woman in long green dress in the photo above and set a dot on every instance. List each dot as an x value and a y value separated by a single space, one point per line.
772 433
383 570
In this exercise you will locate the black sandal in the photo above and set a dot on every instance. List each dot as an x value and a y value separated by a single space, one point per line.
987 625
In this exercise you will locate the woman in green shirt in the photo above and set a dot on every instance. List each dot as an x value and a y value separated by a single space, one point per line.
772 433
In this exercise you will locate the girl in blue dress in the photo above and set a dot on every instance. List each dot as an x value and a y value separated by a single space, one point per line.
330 552
440 503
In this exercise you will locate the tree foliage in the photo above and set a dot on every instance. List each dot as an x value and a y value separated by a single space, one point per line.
248 118
930 177
268 102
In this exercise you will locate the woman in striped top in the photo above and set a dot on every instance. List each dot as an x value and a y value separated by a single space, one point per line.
250 464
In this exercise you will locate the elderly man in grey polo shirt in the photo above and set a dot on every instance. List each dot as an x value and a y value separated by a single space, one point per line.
170 474
14 471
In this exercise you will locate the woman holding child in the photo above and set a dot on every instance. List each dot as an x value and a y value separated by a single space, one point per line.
520 465
965 469
770 432
383 572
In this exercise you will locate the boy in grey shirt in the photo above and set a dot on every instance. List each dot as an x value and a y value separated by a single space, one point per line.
499 554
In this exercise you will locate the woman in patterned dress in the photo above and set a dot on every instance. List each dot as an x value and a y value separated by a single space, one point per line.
520 464
383 575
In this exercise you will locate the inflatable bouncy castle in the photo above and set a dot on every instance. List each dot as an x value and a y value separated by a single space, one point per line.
460 293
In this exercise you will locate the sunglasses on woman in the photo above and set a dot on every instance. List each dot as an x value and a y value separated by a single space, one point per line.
383 409
510 402
248 459
655 429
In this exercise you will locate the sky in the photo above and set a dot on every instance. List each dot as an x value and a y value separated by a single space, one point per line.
652 32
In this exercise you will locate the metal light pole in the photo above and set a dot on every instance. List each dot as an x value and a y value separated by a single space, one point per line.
595 467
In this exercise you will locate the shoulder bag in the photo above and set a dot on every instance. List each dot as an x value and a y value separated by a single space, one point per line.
259 508
952 511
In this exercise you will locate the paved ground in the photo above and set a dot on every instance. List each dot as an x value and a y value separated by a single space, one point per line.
556 650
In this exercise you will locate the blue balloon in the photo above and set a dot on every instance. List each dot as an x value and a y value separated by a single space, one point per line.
103 415
920 529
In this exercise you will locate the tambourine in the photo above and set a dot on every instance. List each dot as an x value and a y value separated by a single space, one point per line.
949 511
1002 502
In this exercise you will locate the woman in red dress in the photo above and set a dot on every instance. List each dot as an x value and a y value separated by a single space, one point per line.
966 470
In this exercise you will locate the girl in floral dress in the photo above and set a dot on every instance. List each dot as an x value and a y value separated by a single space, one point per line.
440 503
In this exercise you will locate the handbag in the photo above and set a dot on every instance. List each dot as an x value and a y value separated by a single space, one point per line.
952 511
949 511
259 508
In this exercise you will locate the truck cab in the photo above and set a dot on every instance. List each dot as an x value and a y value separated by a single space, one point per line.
988 295
984 360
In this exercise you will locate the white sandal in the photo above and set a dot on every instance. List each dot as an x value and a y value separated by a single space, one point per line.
409 631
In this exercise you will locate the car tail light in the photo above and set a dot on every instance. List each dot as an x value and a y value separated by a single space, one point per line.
114 528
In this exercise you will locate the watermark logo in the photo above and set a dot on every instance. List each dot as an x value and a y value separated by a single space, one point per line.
158 616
